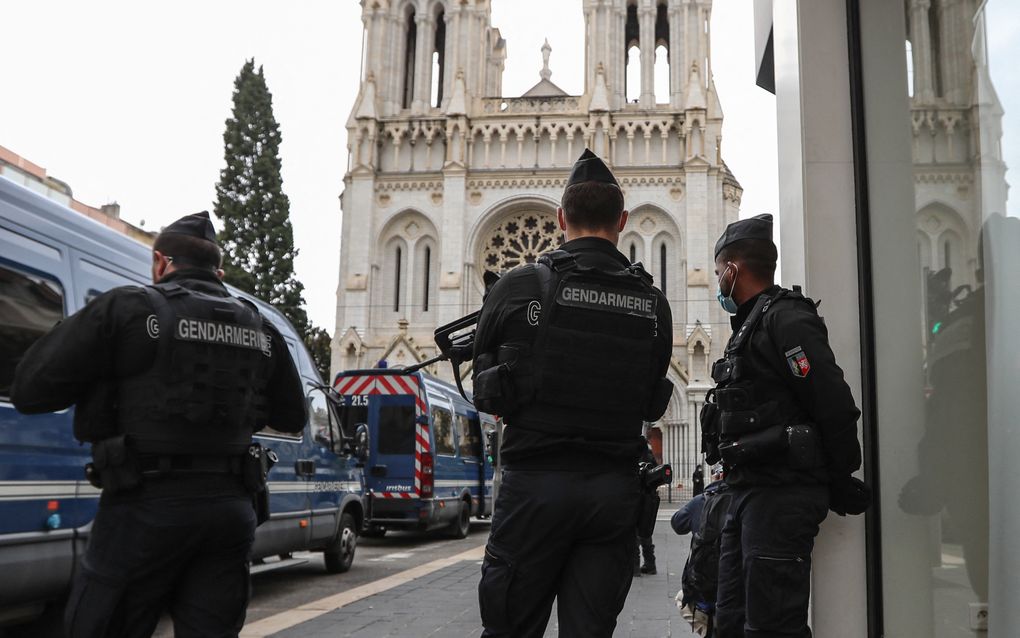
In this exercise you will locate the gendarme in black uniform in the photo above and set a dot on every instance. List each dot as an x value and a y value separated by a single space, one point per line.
785 422
572 353
185 373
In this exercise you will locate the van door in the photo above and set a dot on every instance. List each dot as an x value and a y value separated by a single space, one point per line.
469 449
449 469
391 419
40 462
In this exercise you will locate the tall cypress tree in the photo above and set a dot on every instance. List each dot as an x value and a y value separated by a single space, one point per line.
257 238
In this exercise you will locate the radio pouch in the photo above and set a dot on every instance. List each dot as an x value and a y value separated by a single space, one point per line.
804 449
754 447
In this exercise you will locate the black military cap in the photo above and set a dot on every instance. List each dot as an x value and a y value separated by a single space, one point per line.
590 168
197 225
757 227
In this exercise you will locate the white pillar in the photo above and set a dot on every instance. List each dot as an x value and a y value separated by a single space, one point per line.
817 216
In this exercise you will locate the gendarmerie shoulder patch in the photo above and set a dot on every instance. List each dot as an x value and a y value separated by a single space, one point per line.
798 361
595 297
224 334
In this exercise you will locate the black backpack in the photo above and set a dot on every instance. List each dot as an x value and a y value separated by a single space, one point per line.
701 573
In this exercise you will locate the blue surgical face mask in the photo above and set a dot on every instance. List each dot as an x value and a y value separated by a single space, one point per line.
726 301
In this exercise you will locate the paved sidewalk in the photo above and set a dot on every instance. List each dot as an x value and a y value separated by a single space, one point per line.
444 603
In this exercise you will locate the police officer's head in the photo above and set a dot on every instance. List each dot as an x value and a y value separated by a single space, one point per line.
745 260
188 243
592 204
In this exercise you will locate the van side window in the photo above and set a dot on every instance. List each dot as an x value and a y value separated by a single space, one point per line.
29 306
470 437
443 424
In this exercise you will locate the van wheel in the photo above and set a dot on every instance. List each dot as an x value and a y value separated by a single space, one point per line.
340 553
460 525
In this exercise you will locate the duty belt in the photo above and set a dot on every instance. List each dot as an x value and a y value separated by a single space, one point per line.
189 463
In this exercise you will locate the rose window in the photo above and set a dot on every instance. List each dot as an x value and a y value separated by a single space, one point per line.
519 239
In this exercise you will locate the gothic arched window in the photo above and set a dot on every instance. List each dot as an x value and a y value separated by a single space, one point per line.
438 60
631 46
633 252
662 268
663 77
398 259
427 278
411 42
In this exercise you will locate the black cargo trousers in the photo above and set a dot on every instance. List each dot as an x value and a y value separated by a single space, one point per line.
177 545
559 535
765 560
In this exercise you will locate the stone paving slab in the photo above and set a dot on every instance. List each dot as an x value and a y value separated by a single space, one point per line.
444 603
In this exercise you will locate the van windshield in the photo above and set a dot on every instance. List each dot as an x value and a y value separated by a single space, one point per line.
353 415
396 429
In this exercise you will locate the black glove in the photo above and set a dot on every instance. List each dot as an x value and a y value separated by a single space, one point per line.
849 495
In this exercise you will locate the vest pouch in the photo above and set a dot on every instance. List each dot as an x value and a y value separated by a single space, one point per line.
661 395
733 424
754 447
734 399
804 450
113 465
710 429
493 390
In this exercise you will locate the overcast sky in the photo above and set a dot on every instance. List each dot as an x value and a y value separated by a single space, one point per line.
126 100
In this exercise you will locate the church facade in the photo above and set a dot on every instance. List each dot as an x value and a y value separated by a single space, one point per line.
448 178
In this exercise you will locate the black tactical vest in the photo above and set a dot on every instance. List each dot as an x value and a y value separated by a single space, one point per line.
594 347
752 402
205 390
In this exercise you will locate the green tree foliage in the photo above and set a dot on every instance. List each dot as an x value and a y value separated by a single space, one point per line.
257 237
318 341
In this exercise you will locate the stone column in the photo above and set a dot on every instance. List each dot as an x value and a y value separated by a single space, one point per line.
676 58
920 40
646 22
423 64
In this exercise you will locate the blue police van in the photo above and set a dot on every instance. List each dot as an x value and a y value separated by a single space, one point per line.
53 261
427 465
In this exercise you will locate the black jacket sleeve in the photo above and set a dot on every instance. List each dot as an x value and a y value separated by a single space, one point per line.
287 408
60 368
822 391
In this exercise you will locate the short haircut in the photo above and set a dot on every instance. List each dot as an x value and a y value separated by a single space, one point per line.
189 251
757 255
593 205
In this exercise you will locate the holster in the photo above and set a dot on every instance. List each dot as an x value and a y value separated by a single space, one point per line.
648 510
255 472
651 477
113 467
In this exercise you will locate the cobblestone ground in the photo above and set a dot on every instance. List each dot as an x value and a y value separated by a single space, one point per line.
445 603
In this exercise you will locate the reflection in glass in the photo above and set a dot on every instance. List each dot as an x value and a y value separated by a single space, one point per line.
963 241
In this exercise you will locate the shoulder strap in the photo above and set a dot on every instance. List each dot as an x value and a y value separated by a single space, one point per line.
762 306
558 260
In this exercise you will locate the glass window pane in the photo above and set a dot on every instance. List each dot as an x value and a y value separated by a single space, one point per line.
442 424
396 429
29 306
470 436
